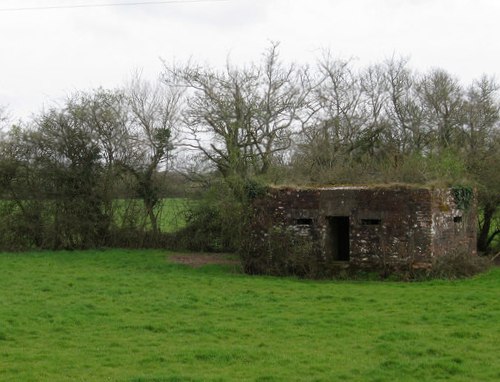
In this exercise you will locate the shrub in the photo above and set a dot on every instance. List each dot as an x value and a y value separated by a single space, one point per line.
214 223
282 252
458 264
22 225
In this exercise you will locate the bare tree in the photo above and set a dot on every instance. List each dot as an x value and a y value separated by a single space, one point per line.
337 115
240 118
482 114
376 132
282 98
218 115
4 117
154 115
106 112
403 108
340 98
442 99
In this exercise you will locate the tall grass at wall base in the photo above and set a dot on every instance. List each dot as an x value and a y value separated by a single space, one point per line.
459 264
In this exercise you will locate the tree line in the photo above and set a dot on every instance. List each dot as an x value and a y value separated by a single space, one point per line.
62 172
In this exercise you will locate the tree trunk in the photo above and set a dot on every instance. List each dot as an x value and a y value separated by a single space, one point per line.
483 241
152 217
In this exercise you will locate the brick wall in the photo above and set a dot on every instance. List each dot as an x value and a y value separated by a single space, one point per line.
388 226
452 228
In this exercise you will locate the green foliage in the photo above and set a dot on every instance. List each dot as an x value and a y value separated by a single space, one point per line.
444 168
254 189
162 137
135 316
215 222
463 196
23 225
448 166
75 161
32 224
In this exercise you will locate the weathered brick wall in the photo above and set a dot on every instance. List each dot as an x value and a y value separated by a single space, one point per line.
453 228
403 234
389 227
283 206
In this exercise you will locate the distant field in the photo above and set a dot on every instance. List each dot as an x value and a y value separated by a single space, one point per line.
171 215
134 316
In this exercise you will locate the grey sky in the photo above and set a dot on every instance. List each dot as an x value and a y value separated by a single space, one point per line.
47 54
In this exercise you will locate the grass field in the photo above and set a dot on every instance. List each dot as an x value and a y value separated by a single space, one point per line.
171 212
133 316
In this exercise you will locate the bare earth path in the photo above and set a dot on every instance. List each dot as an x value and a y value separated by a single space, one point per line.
197 260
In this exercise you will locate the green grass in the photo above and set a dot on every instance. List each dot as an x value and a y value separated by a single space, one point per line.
132 316
171 213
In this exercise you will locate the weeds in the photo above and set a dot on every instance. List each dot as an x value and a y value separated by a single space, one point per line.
459 264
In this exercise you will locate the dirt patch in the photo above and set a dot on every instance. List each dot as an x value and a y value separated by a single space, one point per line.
197 260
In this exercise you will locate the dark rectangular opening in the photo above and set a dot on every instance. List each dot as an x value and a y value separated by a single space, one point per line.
337 238
303 221
371 221
457 219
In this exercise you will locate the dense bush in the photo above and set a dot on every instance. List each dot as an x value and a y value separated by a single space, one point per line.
214 223
282 252
22 225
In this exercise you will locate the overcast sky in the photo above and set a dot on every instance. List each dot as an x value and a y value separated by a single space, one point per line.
47 54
